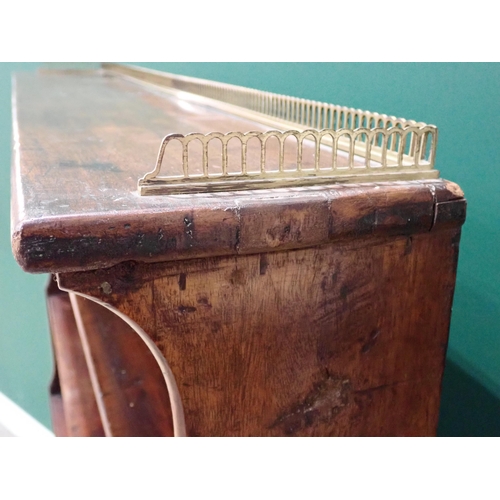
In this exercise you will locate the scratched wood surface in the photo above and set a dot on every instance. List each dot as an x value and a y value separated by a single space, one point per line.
319 311
82 140
341 339
195 226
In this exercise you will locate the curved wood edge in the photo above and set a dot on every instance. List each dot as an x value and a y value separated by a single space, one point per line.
128 384
73 405
179 425
241 224
94 379
260 341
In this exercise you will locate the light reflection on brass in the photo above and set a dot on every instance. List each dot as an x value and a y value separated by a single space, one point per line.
374 146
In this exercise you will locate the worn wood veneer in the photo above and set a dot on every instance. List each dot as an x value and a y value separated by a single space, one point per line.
308 311
343 339
81 141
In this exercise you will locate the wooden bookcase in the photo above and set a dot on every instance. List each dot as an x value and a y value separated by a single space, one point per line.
232 303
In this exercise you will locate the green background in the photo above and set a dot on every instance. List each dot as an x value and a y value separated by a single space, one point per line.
462 99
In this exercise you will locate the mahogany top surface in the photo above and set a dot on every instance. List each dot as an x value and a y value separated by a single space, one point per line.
82 140
85 139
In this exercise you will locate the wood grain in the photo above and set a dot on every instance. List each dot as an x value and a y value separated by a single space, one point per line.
78 416
341 339
130 386
193 227
313 311
81 141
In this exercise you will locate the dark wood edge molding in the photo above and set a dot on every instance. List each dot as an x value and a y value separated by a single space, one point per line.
239 225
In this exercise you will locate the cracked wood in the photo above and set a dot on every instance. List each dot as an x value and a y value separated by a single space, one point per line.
340 339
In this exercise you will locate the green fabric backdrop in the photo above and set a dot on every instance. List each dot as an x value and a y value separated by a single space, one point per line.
463 100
